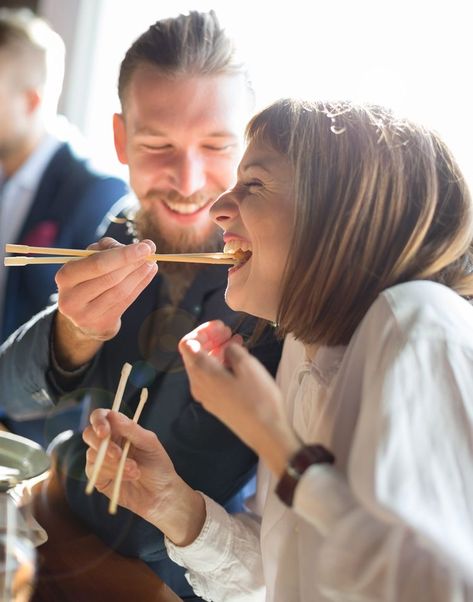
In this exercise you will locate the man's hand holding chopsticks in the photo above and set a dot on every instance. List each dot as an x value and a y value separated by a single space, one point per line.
94 292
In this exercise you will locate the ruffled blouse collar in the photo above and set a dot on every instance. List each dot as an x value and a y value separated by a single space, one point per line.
324 365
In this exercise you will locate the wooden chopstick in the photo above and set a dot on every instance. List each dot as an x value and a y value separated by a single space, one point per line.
66 255
26 249
112 507
21 260
125 373
217 259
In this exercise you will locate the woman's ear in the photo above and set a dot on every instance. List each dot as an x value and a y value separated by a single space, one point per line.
119 136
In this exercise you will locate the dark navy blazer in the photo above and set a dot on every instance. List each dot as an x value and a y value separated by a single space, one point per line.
207 455
71 201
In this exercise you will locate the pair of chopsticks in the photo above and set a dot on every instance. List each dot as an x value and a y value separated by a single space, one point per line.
102 451
66 255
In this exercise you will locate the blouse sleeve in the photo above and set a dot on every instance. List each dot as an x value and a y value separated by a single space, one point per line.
401 526
224 562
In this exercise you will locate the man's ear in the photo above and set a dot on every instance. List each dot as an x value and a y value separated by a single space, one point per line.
33 100
119 137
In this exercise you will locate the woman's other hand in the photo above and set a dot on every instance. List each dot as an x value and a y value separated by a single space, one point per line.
235 387
150 487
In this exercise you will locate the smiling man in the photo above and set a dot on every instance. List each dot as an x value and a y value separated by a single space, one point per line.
185 100
181 138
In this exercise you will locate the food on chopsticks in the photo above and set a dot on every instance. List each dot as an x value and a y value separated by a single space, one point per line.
242 256
239 249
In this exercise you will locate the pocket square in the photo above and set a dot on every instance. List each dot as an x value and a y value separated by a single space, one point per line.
42 235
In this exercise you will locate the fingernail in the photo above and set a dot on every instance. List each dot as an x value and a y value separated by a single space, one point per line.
193 346
143 249
203 337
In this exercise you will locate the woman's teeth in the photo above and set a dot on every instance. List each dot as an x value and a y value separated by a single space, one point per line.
240 249
234 245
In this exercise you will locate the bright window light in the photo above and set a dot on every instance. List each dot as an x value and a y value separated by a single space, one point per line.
412 55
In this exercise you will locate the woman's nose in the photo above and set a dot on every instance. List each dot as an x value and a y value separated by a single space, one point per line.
224 209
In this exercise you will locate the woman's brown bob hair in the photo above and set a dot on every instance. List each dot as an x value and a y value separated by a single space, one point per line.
379 201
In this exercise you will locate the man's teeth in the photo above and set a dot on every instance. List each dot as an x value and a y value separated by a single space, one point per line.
236 245
184 208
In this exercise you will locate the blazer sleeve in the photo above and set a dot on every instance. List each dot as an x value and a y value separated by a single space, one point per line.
24 362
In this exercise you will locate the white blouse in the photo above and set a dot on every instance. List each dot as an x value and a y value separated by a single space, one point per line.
394 519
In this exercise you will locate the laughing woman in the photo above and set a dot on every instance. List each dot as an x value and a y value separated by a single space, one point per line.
360 227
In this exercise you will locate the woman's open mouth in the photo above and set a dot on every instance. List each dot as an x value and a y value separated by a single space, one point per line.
241 250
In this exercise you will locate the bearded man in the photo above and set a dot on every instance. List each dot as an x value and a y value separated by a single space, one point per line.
185 100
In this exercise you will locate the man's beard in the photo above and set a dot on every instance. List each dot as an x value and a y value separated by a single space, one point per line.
144 224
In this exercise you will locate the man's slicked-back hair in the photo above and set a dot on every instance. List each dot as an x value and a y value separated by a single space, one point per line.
193 44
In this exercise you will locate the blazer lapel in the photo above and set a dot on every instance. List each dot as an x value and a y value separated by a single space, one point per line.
44 209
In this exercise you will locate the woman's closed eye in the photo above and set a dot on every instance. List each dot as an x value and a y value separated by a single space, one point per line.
253 185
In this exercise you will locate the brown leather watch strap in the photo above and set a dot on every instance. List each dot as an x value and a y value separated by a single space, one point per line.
298 464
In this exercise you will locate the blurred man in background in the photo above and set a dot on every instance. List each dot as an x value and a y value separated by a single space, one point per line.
185 101
49 196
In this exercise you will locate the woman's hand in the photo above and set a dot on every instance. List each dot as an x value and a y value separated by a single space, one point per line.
150 487
235 387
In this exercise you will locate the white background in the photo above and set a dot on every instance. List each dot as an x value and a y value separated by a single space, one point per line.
415 56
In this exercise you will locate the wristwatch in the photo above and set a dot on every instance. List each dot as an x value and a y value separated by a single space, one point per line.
298 464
